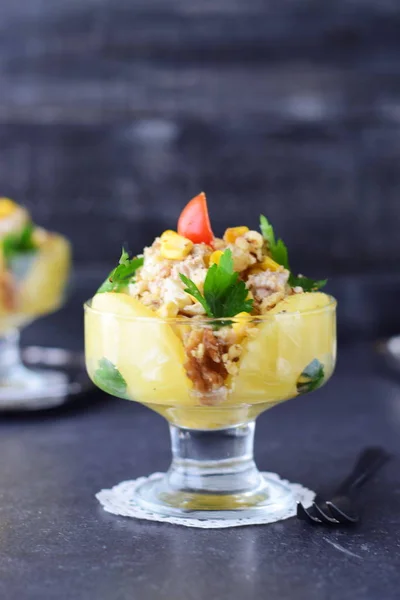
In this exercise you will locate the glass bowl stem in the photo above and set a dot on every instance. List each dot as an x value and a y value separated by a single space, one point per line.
213 476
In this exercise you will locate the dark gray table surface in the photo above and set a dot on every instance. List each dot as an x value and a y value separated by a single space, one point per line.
57 542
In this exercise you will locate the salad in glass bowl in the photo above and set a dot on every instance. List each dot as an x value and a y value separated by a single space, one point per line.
210 332
34 270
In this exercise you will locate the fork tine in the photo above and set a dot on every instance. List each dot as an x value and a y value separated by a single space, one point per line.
342 517
305 515
324 515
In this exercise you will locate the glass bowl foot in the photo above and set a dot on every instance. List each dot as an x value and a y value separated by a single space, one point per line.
25 388
46 378
272 500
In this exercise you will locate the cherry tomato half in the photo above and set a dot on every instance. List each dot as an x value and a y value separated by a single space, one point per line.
194 222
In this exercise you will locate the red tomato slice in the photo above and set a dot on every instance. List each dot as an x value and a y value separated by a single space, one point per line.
194 222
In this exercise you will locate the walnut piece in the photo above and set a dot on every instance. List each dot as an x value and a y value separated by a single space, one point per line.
205 365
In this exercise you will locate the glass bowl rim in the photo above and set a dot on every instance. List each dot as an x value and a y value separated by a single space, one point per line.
210 320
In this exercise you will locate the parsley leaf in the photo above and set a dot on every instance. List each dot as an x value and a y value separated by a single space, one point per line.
122 275
18 243
193 290
267 231
279 253
109 379
225 295
311 378
277 248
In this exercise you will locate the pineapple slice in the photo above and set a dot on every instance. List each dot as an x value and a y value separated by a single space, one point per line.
41 290
147 353
272 361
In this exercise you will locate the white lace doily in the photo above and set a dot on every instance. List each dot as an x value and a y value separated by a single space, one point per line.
119 500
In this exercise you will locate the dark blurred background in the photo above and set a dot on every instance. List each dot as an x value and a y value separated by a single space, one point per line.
113 113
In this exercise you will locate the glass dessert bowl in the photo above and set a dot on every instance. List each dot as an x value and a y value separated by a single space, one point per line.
210 364
34 269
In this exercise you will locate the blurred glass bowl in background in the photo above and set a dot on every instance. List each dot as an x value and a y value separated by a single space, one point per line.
34 271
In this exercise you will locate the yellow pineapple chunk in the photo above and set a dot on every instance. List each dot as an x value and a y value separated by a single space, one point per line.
175 246
268 264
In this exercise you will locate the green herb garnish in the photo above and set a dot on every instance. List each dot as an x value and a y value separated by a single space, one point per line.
311 378
308 285
19 243
277 248
225 295
123 273
108 378
279 253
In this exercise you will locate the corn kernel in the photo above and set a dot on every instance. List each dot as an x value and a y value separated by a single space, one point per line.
232 233
269 264
215 257
175 246
243 316
255 270
240 323
168 310
7 207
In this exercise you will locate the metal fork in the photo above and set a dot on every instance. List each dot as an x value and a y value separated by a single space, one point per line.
340 509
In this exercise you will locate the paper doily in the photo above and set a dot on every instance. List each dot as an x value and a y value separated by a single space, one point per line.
119 500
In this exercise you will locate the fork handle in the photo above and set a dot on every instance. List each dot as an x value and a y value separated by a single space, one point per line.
368 463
